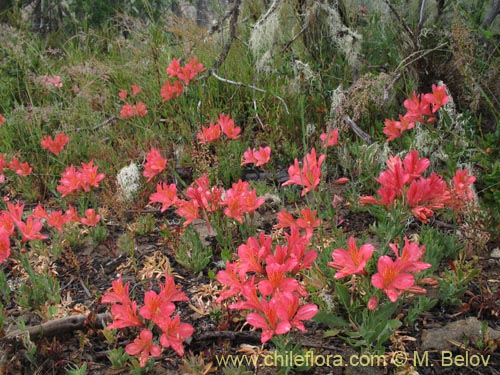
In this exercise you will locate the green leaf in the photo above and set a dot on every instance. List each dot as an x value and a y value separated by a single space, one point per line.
331 320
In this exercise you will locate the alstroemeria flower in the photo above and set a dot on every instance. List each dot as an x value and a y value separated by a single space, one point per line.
55 145
353 261
143 347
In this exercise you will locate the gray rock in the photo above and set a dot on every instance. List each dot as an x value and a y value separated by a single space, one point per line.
495 253
439 339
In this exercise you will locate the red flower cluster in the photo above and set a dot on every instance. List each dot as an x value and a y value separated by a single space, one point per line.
81 178
21 169
55 145
30 227
2 120
184 74
260 270
213 132
421 108
308 175
403 181
394 277
240 200
128 110
158 309
204 199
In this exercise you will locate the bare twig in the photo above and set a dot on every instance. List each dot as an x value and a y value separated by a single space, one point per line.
60 326
419 54
104 123
235 12
356 129
400 19
241 84
270 11
421 17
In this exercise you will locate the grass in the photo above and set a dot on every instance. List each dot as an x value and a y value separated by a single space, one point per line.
97 64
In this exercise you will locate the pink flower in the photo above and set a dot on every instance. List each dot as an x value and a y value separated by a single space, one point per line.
269 321
4 244
240 200
258 157
127 111
209 134
309 175
119 293
56 219
190 70
232 281
91 218
135 90
155 164
330 139
276 281
308 220
372 303
55 145
226 123
125 316
188 210
123 94
253 253
2 120
31 229
391 279
89 176
156 306
353 261
174 333
294 313
143 347
21 169
411 257
461 184
140 109
438 98
169 91
70 181
174 68
165 194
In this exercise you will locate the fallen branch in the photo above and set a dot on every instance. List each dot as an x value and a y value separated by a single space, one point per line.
359 132
60 326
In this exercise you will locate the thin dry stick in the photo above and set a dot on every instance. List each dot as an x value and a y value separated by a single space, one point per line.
421 18
234 12
241 84
356 129
400 19
60 326
104 123
403 64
